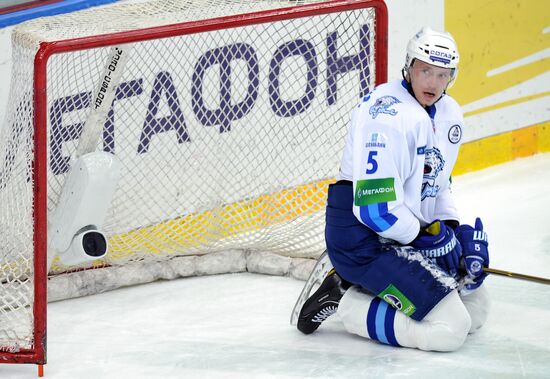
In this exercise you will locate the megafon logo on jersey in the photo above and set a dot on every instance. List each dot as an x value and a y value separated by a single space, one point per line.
440 56
374 191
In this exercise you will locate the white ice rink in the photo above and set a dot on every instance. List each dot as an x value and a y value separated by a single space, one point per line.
237 326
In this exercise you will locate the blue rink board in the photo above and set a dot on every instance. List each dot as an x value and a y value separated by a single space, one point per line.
66 6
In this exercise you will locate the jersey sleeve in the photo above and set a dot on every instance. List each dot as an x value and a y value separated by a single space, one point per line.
381 165
445 208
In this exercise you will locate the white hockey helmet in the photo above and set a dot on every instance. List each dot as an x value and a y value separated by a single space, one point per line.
436 48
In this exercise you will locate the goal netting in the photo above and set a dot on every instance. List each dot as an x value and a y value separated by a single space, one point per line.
229 121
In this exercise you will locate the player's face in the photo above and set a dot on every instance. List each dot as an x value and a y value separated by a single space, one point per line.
428 82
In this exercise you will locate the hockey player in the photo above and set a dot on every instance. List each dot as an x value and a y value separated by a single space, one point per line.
406 273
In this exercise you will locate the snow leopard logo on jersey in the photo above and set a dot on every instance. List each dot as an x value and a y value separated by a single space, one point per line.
433 165
382 105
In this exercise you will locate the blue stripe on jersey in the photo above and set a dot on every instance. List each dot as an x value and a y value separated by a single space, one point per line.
371 317
388 326
377 217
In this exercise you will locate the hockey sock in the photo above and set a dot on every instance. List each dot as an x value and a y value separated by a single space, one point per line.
380 322
444 328
368 316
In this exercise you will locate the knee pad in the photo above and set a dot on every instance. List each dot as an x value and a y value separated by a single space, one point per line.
477 303
353 309
446 326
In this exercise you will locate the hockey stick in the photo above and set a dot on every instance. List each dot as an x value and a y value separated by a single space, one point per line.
515 275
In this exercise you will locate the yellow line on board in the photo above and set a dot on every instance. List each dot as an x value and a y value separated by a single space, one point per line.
501 148
506 103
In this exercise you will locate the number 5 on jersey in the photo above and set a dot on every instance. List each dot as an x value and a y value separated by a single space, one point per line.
372 164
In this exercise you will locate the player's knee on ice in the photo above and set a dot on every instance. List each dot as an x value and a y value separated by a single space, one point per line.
443 329
446 327
477 303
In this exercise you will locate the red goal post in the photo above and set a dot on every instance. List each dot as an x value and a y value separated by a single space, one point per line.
257 143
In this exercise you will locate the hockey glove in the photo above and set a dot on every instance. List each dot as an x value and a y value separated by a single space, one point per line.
438 242
475 253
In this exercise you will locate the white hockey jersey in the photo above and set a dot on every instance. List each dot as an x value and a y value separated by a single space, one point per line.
400 157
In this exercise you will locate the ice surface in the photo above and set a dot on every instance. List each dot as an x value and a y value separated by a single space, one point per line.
237 325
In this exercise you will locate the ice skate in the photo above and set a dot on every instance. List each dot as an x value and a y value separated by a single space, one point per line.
323 303
317 275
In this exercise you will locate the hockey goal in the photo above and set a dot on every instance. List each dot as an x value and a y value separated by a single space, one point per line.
228 120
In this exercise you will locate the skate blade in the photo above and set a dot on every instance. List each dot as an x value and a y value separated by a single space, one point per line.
317 276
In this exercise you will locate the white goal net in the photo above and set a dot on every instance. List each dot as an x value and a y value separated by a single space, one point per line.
229 120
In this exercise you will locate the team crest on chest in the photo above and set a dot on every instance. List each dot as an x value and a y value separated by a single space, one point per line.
433 165
382 105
